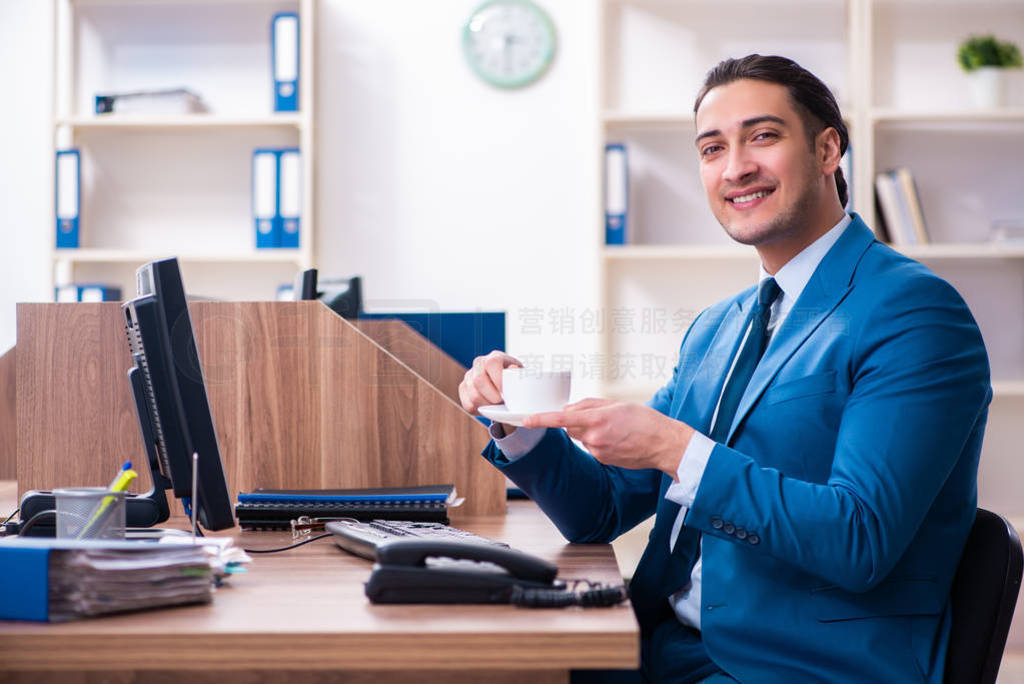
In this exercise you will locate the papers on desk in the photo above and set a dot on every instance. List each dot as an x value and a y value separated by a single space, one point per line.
86 583
225 558
58 580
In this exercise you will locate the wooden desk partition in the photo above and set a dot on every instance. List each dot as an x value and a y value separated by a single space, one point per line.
300 398
8 417
416 351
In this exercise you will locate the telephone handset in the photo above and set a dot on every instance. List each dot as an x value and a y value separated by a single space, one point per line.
444 571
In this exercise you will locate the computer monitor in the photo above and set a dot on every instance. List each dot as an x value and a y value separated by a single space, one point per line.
170 394
344 296
305 285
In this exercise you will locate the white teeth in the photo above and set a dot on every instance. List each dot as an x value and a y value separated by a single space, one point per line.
751 196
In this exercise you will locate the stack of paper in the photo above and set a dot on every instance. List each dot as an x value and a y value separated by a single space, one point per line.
56 580
94 582
166 102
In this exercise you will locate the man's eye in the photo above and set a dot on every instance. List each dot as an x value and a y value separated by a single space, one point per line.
710 149
765 135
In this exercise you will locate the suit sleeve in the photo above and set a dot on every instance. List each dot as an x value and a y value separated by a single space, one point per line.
587 500
919 390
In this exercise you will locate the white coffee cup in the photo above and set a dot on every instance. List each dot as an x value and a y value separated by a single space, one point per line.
528 390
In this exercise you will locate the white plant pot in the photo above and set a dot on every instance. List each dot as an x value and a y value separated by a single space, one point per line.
987 85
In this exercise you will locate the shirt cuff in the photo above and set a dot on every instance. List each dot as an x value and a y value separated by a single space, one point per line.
690 471
517 444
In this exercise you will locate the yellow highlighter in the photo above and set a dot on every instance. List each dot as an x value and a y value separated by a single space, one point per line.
121 483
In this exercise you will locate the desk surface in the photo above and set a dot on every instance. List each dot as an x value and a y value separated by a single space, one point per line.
305 609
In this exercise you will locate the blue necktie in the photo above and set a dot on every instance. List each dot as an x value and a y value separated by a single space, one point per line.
746 360
660 572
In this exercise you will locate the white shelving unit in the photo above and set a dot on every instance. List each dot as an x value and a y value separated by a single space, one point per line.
179 185
892 65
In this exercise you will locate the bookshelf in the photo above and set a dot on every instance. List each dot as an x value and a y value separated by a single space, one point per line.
179 184
905 102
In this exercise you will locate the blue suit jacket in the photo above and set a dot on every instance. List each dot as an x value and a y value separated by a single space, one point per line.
834 516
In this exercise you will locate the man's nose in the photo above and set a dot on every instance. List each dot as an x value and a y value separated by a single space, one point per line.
739 167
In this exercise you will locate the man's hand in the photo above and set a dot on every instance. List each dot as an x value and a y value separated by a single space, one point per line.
481 385
621 434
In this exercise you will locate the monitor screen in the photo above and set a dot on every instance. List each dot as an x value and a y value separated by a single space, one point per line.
305 285
344 296
170 393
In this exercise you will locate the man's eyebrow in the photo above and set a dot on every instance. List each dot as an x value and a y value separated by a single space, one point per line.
746 124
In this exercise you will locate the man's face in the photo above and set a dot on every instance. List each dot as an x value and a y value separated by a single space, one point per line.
759 173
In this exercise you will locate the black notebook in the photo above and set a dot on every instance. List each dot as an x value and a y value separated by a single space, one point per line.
276 508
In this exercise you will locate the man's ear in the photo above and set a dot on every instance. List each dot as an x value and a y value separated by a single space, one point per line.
826 149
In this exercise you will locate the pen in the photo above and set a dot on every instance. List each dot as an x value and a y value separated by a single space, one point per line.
127 466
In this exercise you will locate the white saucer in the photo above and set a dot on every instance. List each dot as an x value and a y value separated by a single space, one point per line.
499 414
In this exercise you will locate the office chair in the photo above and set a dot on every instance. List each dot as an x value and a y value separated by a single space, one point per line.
983 595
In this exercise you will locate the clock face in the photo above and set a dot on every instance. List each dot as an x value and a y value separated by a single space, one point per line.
509 43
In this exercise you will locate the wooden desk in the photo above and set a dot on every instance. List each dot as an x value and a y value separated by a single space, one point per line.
301 616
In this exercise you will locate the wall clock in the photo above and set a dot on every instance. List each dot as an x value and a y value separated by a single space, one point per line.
509 43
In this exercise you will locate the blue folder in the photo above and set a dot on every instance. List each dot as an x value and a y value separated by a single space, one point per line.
415 494
284 50
68 197
25 594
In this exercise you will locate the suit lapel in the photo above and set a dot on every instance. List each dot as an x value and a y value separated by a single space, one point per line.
700 398
831 282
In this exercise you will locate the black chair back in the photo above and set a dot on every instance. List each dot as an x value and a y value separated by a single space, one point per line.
983 597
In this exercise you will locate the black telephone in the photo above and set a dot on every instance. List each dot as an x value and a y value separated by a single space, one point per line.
444 571
447 571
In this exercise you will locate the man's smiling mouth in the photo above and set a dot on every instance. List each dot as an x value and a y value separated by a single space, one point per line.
749 197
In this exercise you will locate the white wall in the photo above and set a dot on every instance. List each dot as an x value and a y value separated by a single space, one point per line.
446 192
26 165
442 191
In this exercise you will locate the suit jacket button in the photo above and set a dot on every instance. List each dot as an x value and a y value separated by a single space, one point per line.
716 523
729 528
753 539
741 533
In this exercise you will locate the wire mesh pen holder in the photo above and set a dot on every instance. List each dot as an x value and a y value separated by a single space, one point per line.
90 513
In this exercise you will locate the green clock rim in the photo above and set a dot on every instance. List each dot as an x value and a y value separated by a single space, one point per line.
549 54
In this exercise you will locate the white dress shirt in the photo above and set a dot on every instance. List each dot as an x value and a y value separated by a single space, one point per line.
791 278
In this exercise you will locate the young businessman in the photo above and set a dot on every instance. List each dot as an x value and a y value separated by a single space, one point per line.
812 463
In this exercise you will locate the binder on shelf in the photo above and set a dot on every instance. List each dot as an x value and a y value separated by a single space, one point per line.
616 193
265 216
906 223
159 102
895 216
908 191
284 47
290 196
87 292
68 198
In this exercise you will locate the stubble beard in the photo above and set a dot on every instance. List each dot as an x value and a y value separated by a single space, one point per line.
789 222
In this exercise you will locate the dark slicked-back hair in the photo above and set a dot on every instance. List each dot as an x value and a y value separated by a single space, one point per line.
815 103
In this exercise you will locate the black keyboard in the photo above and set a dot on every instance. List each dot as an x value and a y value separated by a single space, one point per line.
363 538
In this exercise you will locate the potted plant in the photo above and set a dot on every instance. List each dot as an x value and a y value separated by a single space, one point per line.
985 58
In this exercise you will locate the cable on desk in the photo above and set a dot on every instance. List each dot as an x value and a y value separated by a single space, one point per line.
10 516
25 526
10 528
576 593
285 548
